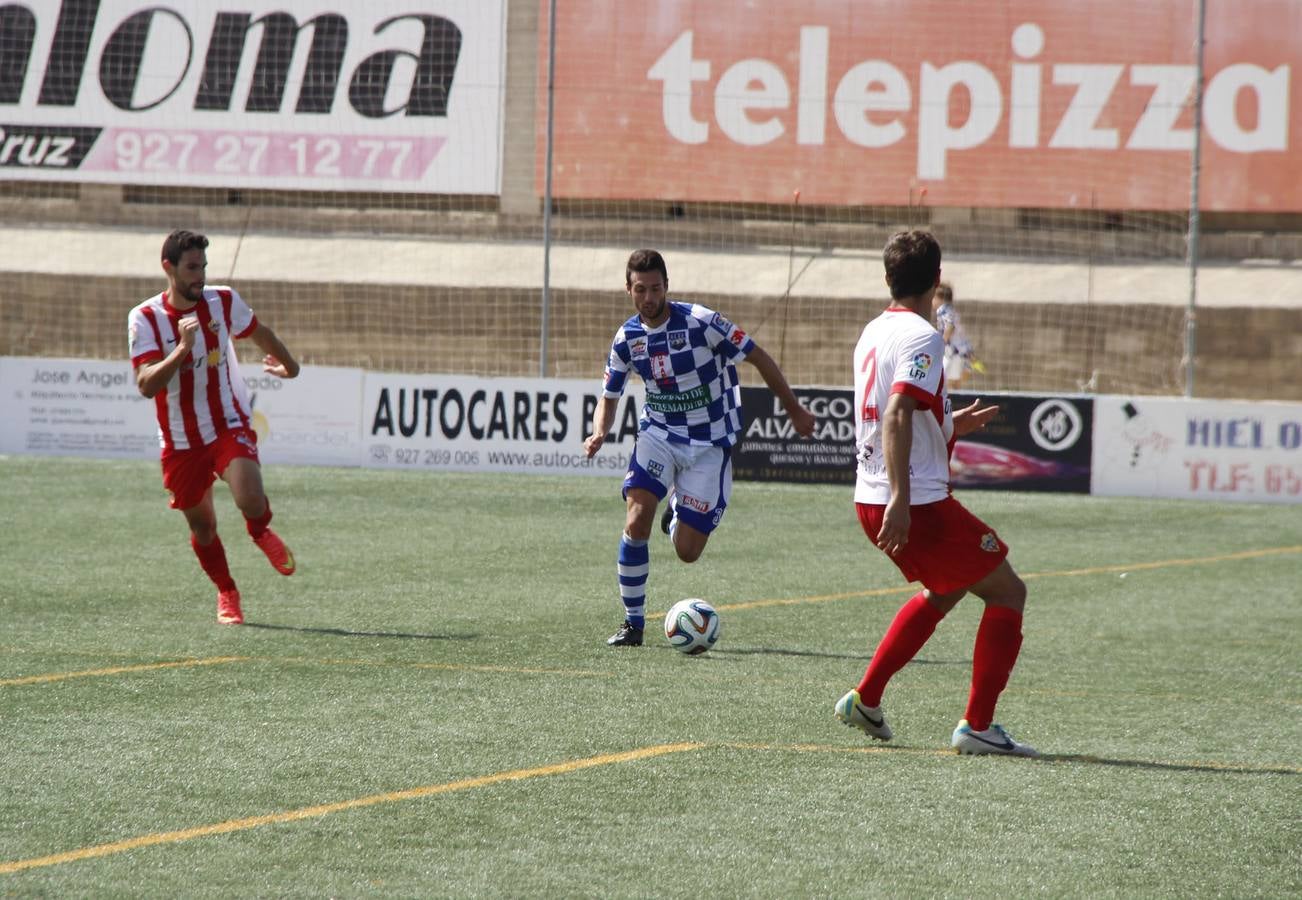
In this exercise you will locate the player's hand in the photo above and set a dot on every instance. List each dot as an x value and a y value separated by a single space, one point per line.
593 443
973 417
273 366
188 327
802 420
894 533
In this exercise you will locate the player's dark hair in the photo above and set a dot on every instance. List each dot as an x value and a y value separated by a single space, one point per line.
180 241
912 261
645 261
945 292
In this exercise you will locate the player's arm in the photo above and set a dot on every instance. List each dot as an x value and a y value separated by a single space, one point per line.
278 360
602 418
152 377
897 445
801 419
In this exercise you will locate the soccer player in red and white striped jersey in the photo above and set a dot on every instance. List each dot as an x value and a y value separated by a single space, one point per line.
181 348
904 432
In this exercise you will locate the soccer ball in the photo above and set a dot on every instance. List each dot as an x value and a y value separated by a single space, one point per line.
692 626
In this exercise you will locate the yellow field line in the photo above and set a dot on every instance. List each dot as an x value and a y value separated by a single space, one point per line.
325 809
120 670
1065 573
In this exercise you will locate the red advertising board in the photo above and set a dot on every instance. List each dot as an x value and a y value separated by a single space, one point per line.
1031 103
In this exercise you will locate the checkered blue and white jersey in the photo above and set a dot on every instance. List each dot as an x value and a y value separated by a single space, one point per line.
688 364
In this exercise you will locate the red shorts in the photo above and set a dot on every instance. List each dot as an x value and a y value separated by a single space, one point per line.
187 474
948 550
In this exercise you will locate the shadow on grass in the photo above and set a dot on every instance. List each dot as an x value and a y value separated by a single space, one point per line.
1227 769
780 651
344 632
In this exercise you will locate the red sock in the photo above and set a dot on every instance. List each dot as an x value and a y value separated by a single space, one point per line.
998 638
257 527
213 560
913 625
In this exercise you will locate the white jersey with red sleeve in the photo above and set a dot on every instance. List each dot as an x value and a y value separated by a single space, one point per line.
900 352
206 397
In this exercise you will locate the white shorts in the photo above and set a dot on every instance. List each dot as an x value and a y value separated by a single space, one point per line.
700 476
955 365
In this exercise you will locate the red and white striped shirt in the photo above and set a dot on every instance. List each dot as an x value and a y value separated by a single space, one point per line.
206 396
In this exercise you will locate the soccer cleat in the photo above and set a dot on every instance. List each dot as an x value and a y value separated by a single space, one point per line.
993 740
868 719
281 559
228 608
627 636
667 517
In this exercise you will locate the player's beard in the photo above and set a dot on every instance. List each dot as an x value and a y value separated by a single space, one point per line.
658 313
194 292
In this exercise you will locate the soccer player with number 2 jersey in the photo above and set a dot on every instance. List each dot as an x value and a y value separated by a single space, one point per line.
686 355
904 432
182 351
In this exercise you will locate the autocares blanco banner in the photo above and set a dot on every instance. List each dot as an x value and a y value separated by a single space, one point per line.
1197 449
470 424
388 95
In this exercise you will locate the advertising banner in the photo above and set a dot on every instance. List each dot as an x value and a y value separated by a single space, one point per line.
389 95
1035 443
469 424
1198 449
770 449
82 407
1016 103
312 420
74 407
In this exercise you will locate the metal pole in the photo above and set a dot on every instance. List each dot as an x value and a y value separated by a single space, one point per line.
1191 315
547 190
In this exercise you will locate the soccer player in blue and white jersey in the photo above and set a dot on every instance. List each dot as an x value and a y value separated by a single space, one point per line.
686 355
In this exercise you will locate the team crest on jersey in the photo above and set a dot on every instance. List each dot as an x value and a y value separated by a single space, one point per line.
637 346
990 543
920 365
677 340
213 326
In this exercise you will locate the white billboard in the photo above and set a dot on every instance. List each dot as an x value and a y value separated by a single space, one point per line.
388 95
470 424
82 407
1197 449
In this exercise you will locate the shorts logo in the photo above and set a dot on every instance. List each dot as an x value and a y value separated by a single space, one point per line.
695 503
677 340
246 441
919 366
990 543
718 514
655 468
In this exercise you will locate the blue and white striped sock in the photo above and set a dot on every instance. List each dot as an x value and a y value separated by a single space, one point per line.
634 563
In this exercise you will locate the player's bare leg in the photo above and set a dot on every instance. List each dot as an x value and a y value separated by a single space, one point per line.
689 543
245 479
207 546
